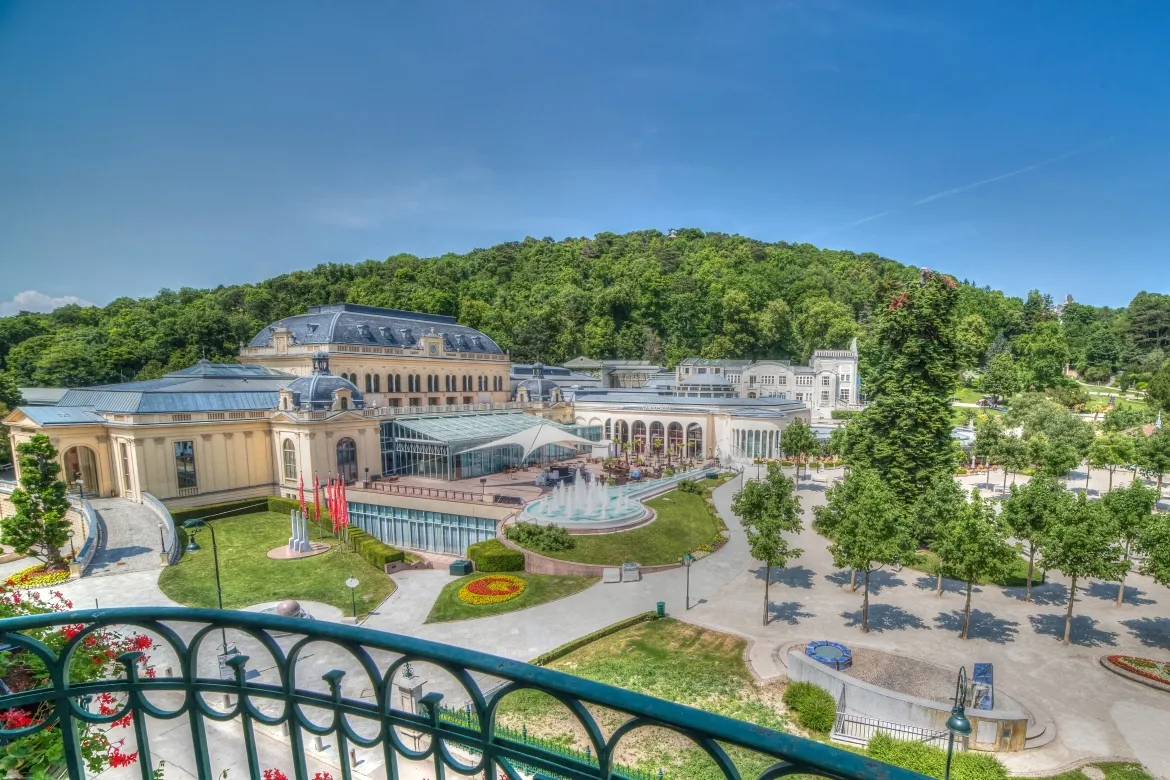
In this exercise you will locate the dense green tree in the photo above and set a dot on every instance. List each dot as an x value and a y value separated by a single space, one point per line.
1037 310
9 399
1082 543
1149 320
1043 354
39 526
1153 454
989 437
1013 456
939 503
973 340
1158 390
1030 511
974 545
869 528
1130 510
1001 379
913 364
768 509
1110 451
825 324
1126 418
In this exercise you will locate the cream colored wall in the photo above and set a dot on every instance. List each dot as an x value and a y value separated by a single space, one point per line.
316 447
63 437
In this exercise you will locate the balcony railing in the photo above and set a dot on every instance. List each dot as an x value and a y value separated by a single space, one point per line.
367 699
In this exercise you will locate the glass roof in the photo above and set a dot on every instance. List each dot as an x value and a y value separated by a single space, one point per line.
469 428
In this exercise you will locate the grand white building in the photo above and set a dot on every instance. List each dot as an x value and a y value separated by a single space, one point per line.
828 382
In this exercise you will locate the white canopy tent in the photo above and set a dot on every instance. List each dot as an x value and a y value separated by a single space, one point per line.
534 438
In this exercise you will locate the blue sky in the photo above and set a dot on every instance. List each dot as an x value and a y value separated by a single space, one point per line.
147 145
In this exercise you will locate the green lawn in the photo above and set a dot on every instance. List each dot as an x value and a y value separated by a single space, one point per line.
928 564
683 523
540 588
671 660
1113 771
968 395
249 576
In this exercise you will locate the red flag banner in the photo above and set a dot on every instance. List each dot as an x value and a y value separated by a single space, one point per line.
301 493
336 514
344 507
316 494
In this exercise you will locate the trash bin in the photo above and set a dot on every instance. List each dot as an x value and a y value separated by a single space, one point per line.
460 568
662 609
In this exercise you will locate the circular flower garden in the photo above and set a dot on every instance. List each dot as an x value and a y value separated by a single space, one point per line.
37 576
1146 668
491 589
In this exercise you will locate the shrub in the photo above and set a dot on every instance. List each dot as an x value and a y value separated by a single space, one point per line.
542 538
492 555
225 509
929 760
372 549
843 414
689 486
814 706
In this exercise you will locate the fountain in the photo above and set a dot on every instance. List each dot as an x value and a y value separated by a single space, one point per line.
588 505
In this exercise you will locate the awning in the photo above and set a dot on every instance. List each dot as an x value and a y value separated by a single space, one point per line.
535 438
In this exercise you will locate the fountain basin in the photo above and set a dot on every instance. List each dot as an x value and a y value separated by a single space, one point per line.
593 506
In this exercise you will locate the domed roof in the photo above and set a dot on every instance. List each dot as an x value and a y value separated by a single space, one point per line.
705 379
538 389
316 391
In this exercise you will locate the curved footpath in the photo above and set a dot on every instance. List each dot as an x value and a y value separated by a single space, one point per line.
1097 713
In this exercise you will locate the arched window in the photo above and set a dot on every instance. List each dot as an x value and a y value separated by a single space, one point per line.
622 431
674 438
695 440
347 460
657 437
639 435
369 384
288 452
377 383
81 463
608 426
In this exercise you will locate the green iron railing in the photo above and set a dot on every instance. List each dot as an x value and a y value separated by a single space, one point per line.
191 672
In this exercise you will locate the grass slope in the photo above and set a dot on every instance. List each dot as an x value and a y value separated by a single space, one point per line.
671 660
540 588
683 523
249 576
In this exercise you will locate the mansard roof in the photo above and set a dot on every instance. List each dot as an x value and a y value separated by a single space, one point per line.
348 323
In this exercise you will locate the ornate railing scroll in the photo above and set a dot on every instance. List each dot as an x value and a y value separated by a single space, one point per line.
186 639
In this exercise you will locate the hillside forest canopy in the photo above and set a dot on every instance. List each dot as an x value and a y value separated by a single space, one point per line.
643 295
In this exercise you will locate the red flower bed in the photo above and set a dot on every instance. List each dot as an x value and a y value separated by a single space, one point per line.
491 589
1125 662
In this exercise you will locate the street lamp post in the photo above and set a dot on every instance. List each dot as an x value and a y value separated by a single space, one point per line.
193 547
80 487
687 560
957 724
482 488
72 552
352 584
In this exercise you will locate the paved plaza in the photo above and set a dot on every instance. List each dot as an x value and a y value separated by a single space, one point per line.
1097 714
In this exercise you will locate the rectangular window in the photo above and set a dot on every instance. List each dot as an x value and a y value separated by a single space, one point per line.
824 396
846 379
432 402
804 380
415 402
825 380
185 465
467 399
782 380
844 395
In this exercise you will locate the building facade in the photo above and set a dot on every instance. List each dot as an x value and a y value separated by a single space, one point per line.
829 382
396 358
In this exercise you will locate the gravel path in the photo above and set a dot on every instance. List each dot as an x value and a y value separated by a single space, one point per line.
910 676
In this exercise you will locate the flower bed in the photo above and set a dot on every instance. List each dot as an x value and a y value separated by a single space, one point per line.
1143 667
492 589
36 577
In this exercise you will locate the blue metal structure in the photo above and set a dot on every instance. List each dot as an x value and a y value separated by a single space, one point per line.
379 661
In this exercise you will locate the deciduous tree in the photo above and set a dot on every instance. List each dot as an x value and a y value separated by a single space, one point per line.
799 442
1153 454
974 545
1029 512
1130 510
869 528
1110 451
1082 543
768 509
937 505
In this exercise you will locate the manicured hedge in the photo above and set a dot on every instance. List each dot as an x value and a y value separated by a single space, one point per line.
225 509
843 414
560 652
373 550
930 760
492 555
814 706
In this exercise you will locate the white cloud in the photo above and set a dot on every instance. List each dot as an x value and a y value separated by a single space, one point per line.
31 300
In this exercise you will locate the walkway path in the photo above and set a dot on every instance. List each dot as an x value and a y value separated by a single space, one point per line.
130 537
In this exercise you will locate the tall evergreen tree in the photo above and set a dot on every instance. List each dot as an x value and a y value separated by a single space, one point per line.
914 365
39 526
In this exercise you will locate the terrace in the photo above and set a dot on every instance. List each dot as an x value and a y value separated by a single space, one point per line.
364 702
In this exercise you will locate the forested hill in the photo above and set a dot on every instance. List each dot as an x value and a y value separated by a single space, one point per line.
639 295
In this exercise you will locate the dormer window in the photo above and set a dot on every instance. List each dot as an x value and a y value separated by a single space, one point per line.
387 334
365 331
475 341
407 336
312 326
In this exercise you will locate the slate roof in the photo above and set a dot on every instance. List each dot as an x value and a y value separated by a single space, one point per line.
316 391
348 323
61 415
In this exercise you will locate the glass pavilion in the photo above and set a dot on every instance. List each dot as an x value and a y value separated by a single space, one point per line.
445 447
